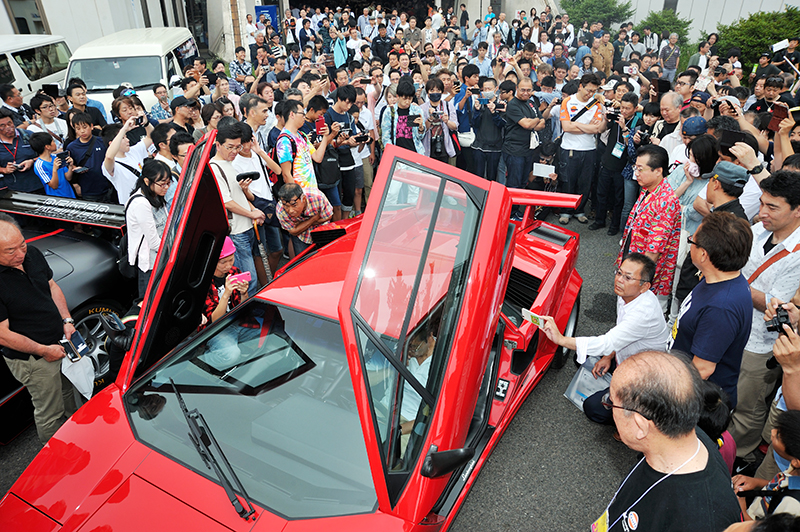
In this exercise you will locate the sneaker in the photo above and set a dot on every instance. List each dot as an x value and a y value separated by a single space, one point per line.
563 220
596 225
582 218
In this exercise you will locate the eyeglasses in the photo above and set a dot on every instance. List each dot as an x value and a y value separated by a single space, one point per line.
236 148
626 276
47 107
692 242
680 83
162 184
294 203
608 405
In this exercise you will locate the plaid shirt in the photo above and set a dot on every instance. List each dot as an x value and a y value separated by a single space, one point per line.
316 203
159 113
212 299
240 69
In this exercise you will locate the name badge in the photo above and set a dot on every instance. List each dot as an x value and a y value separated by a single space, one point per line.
618 150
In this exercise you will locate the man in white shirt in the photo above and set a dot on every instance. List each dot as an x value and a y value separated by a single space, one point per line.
123 162
251 30
46 120
640 327
771 272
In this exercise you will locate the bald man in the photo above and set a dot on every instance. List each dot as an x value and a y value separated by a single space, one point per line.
33 318
682 483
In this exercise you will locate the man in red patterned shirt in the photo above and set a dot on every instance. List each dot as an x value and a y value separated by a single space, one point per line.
654 224
299 211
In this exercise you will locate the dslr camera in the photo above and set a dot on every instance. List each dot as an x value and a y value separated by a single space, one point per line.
776 323
644 138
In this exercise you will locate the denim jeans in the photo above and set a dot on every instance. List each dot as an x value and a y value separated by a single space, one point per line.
518 169
610 197
631 187
463 34
486 163
243 258
299 245
501 171
575 169
669 73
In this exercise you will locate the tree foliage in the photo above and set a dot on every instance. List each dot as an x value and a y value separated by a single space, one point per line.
754 35
606 11
669 21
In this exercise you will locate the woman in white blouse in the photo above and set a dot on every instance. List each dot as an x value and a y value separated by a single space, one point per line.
146 216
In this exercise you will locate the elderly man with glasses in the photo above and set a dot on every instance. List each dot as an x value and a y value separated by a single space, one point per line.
640 326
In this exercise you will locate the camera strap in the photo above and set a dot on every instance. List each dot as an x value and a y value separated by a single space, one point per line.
772 260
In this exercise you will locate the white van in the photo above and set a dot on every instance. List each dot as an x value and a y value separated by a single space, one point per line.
30 61
142 57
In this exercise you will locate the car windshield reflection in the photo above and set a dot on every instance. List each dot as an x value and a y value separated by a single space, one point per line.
275 387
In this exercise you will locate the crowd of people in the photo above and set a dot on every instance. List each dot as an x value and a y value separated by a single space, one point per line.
696 177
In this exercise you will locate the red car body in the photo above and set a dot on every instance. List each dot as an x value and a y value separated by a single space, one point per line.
448 264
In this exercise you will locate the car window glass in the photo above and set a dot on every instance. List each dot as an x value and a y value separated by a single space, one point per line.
274 385
409 295
43 60
6 75
186 52
108 73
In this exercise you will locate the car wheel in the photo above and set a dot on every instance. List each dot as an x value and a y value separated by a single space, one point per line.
563 354
87 322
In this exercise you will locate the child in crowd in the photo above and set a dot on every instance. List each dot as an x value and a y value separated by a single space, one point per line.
54 174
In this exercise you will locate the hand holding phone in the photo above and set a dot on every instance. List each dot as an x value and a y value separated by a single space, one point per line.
243 277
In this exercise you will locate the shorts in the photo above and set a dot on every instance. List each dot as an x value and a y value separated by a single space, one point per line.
358 173
271 236
333 194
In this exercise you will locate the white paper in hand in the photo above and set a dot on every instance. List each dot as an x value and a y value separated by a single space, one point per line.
533 318
80 374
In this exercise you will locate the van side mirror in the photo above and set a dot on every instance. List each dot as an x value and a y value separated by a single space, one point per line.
440 463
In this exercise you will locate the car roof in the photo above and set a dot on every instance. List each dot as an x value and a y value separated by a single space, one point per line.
12 43
137 42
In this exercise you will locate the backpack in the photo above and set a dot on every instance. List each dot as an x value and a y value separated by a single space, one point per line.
327 172
275 179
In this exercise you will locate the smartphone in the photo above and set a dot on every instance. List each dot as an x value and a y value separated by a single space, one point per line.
63 156
72 355
80 170
248 175
141 120
323 77
475 91
50 89
779 112
483 101
240 278
411 118
362 138
319 125
663 86
729 138
75 346
500 107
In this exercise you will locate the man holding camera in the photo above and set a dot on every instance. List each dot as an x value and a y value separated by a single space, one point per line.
772 272
33 318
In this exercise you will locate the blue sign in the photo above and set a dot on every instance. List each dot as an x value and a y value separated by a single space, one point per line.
273 15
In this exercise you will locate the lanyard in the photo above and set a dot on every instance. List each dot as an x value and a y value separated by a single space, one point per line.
16 145
656 483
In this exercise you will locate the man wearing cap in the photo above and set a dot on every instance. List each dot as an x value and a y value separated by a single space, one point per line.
692 127
182 112
725 184
700 101
764 68
715 318
772 272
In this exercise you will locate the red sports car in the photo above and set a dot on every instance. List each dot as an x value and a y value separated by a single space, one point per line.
363 389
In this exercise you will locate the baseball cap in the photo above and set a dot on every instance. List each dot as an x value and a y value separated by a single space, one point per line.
610 86
729 173
695 125
766 54
182 101
228 248
701 97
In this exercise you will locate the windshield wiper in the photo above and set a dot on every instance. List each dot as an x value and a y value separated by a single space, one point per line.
203 439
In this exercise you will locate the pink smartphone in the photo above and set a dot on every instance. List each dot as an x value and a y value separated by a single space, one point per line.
240 278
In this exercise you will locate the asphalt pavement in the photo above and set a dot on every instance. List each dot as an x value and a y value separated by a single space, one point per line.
553 470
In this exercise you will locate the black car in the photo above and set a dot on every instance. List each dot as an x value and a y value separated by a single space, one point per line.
80 240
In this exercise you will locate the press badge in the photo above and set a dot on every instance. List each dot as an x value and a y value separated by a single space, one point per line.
601 525
618 150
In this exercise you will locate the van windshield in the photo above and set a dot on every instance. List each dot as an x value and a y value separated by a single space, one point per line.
109 73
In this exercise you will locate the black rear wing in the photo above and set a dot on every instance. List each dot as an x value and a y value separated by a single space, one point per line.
63 209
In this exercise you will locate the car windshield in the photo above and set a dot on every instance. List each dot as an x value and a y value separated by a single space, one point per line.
275 387
109 73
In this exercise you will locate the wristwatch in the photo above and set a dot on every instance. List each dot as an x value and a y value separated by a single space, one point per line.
67 320
756 170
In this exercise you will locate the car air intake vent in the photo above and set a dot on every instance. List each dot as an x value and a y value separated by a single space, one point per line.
551 235
520 294
322 237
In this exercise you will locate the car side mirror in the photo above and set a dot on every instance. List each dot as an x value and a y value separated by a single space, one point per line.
440 463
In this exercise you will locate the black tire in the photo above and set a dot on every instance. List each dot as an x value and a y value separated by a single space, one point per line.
562 354
87 322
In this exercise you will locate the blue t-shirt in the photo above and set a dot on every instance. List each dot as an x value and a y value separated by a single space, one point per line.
44 169
714 324
92 182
